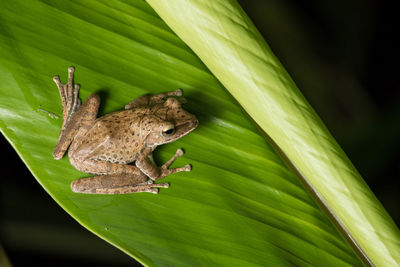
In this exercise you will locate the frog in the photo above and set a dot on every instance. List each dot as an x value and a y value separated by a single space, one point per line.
117 148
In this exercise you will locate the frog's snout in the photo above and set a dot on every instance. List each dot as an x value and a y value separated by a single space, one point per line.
195 122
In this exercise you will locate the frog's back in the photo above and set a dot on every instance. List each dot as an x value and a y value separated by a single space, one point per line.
113 138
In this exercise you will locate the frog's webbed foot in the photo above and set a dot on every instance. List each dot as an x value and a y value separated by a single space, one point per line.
69 94
164 168
147 100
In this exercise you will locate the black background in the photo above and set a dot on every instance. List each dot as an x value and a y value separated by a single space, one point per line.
343 55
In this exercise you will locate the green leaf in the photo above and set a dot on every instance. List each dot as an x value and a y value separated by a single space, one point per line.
239 206
4 261
225 39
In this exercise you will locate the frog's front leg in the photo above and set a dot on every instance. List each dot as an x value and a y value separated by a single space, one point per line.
154 172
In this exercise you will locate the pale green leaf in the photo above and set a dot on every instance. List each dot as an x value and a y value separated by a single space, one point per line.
225 39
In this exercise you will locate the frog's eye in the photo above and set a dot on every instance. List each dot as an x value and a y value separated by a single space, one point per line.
168 131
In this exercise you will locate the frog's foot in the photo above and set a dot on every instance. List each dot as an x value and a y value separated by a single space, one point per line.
161 185
164 168
150 187
69 94
178 154
151 182
166 172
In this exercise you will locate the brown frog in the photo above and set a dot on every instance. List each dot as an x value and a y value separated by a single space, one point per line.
105 146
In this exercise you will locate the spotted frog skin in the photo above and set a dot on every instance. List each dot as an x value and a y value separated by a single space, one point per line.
105 146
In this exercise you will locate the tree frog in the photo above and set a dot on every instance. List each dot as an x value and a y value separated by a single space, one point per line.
105 146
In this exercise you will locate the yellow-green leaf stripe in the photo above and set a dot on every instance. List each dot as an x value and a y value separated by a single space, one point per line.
225 39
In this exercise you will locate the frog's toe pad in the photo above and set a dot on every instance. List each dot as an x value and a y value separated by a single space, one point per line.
161 185
188 167
179 92
56 79
71 69
153 190
180 152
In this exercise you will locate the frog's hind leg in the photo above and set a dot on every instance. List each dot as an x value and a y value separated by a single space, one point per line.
115 184
75 116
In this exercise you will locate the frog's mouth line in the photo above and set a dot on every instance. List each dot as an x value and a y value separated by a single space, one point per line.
182 130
